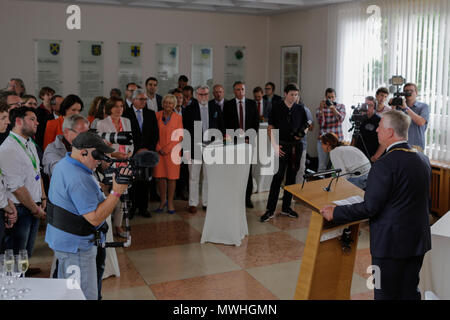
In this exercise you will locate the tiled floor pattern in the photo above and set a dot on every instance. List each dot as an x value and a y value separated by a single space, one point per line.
166 260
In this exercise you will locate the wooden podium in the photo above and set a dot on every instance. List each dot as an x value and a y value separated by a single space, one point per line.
326 271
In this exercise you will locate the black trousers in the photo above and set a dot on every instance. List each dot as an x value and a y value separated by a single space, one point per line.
183 181
139 192
249 191
399 278
288 164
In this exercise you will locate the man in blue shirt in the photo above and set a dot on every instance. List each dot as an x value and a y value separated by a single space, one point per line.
419 113
75 190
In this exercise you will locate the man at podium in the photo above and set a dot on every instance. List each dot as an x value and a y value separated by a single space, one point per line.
396 203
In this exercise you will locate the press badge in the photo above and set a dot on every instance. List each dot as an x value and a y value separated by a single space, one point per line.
37 177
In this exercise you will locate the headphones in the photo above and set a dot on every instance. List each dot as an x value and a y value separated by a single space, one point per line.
85 154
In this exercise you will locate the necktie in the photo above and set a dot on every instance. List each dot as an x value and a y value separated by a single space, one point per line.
204 110
259 108
241 116
139 118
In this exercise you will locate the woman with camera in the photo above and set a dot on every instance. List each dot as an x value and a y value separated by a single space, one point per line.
168 169
347 158
114 123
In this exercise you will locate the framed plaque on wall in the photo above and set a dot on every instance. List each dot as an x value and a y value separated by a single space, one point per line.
291 57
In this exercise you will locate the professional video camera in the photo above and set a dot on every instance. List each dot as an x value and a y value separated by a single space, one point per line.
397 81
359 115
140 165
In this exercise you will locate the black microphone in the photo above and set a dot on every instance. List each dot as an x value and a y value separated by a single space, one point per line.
146 159
320 173
164 119
356 173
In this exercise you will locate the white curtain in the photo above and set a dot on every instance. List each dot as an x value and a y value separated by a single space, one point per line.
368 42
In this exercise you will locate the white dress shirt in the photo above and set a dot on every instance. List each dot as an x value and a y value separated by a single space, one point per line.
204 116
243 110
152 104
17 168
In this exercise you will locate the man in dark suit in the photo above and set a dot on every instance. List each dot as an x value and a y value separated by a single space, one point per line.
219 96
206 115
144 128
263 106
154 100
270 94
242 113
396 203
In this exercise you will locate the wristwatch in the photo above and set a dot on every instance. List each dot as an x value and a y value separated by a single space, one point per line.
407 108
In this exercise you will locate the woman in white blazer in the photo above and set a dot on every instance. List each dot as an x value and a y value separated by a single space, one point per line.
114 122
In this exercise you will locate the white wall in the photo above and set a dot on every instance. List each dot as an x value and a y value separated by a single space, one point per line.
307 28
23 21
263 36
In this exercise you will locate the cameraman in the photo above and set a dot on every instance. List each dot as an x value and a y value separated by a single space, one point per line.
419 113
367 142
77 202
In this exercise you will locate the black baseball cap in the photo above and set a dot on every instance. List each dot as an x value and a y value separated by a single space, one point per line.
88 139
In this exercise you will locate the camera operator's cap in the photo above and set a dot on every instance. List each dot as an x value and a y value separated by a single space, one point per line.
91 140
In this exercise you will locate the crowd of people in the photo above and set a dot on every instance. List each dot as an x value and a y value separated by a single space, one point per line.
47 148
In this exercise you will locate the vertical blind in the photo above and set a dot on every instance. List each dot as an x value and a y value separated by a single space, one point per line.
371 42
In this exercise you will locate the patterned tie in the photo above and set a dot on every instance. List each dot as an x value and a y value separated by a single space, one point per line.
241 116
139 118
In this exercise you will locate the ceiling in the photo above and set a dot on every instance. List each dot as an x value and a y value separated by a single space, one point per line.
257 7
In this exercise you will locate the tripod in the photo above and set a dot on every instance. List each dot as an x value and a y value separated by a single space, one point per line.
357 135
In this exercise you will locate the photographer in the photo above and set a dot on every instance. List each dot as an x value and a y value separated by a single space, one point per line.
78 206
289 118
419 113
330 116
367 140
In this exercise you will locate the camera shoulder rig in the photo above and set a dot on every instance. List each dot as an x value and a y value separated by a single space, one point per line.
67 221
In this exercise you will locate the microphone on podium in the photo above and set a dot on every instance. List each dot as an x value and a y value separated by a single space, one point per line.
356 173
320 174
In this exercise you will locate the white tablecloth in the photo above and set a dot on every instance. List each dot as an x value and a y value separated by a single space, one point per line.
48 289
262 181
226 221
435 272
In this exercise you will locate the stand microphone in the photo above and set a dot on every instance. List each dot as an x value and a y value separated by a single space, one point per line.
318 174
327 189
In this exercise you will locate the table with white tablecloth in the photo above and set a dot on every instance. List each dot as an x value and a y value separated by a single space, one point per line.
261 179
226 220
49 289
435 275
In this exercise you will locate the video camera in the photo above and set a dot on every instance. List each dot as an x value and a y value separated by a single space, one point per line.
397 81
359 115
140 165
301 132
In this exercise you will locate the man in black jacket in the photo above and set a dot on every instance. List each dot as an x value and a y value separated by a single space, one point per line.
396 203
208 116
290 119
144 128
242 113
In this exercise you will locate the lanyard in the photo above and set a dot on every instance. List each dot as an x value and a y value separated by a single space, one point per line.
31 156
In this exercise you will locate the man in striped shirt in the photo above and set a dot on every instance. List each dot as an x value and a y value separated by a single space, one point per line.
330 116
